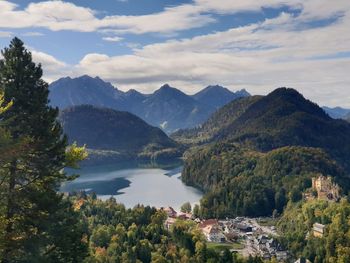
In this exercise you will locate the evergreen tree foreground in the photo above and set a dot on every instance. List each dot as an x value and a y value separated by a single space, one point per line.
37 224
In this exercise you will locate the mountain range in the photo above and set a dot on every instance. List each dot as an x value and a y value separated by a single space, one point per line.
167 108
111 135
337 112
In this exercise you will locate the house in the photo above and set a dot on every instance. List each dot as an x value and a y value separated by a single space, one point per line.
244 228
318 230
212 230
169 211
213 233
169 222
184 216
208 222
262 240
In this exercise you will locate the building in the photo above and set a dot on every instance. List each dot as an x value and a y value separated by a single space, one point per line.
326 189
184 216
244 228
208 222
170 211
169 222
212 230
213 233
318 230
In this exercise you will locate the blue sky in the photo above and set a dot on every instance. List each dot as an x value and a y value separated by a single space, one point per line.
141 44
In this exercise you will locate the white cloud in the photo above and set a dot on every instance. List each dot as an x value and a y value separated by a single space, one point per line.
259 57
52 67
6 34
113 39
60 15
32 34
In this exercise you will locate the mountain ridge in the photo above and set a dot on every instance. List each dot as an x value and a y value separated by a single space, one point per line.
337 112
167 107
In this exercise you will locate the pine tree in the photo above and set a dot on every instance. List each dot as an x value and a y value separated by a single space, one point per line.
32 209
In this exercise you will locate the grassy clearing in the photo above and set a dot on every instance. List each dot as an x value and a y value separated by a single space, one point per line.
222 246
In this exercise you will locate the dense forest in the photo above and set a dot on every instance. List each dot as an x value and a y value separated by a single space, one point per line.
240 181
256 153
211 128
117 234
114 136
296 227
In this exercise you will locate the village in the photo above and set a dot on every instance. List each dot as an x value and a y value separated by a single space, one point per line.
241 235
256 236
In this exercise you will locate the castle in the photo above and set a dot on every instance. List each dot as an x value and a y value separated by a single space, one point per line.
326 189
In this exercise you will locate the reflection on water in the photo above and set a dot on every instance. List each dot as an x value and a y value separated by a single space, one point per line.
149 186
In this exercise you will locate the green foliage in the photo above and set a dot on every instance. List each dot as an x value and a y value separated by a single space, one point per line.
135 234
186 207
37 225
75 154
282 118
219 120
117 234
297 221
239 181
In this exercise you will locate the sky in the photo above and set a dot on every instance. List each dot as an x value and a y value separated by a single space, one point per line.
258 45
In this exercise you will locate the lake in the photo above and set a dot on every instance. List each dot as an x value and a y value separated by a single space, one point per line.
131 186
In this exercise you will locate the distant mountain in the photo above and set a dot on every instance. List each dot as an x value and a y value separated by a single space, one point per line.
67 92
172 109
337 112
347 117
110 133
217 96
167 108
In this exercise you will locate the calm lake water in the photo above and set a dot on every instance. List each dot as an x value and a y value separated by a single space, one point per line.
131 186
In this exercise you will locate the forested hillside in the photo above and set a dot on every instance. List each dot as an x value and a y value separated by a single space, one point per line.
296 230
240 181
217 122
267 150
112 135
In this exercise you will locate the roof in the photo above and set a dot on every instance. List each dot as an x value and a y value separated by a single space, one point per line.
169 210
208 223
318 225
210 229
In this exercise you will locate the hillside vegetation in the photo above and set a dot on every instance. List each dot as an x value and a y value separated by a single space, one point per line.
257 153
239 181
297 222
113 135
218 121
